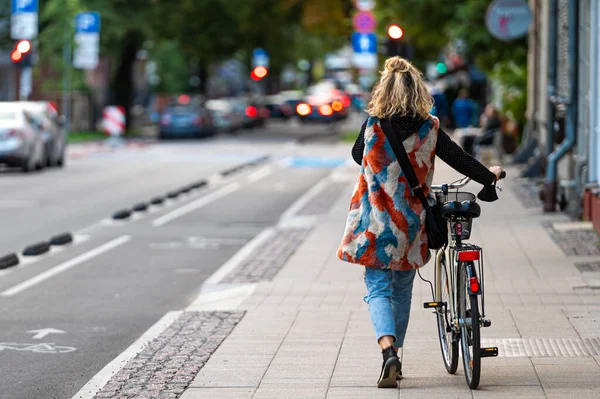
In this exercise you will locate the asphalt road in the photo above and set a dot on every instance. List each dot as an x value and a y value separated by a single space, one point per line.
118 278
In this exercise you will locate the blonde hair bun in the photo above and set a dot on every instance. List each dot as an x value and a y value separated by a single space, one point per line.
396 64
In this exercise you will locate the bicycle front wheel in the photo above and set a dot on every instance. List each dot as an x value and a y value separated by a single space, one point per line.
448 343
468 313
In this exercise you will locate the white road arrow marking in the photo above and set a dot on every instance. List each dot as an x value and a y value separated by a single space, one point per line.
41 333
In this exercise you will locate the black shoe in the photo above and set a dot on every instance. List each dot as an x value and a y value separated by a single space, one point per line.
390 370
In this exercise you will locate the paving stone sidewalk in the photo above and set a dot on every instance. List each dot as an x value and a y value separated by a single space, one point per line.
306 333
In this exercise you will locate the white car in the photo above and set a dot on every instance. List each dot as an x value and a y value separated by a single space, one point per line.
52 126
22 142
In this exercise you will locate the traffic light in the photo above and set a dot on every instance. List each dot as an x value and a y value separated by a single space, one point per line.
258 73
21 55
395 32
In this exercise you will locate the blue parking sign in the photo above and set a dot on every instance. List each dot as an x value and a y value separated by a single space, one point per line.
364 42
19 6
87 22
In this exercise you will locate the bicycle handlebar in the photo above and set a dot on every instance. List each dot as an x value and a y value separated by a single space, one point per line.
460 184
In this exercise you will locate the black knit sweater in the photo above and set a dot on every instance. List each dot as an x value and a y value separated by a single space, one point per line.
446 149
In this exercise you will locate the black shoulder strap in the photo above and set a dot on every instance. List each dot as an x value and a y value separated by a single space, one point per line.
402 157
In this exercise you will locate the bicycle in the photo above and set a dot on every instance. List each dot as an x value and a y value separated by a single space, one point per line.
459 285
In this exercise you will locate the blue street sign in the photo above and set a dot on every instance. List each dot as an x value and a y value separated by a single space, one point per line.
364 42
260 58
24 6
87 22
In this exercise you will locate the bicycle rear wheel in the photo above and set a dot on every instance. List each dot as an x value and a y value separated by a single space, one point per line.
448 343
468 313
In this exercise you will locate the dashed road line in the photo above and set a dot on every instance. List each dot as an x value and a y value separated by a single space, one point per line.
86 256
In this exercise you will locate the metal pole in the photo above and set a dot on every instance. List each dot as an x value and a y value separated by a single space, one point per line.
67 82
567 144
552 55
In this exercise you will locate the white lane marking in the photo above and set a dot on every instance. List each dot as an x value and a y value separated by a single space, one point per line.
239 257
99 380
224 299
66 265
199 203
305 199
25 261
259 174
42 332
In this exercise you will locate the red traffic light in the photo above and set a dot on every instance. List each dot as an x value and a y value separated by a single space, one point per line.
16 56
24 46
395 32
258 73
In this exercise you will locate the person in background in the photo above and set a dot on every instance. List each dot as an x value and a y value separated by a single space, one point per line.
464 110
490 121
440 104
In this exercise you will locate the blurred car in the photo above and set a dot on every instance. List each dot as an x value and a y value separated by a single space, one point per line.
22 143
186 118
255 113
279 107
53 130
323 103
225 116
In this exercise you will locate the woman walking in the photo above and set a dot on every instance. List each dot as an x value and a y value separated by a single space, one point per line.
385 229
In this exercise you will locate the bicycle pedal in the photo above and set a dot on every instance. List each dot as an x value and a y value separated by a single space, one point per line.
429 305
486 322
488 352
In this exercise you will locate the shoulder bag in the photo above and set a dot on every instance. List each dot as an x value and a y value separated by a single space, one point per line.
435 226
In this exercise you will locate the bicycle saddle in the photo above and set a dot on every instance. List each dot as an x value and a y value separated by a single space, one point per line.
469 209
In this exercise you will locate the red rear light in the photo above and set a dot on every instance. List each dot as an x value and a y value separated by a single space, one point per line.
251 111
166 119
197 120
264 113
325 110
346 101
303 109
458 229
465 256
16 133
474 284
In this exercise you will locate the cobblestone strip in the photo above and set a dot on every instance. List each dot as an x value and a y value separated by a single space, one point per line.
575 242
528 194
171 361
266 261
321 203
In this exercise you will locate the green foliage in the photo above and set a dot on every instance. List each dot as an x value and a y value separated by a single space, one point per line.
171 67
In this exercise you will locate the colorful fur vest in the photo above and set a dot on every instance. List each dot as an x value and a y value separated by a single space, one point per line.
386 223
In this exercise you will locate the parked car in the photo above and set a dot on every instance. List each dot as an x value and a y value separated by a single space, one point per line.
186 118
255 113
225 116
279 107
323 103
53 130
22 142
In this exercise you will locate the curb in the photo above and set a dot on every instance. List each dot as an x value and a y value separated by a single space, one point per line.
157 201
122 214
61 239
141 207
9 260
172 194
37 249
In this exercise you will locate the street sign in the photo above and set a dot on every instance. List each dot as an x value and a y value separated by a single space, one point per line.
87 40
364 22
24 19
364 5
508 19
260 58
364 42
366 61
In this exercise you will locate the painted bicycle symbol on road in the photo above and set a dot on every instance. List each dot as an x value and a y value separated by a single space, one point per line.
36 348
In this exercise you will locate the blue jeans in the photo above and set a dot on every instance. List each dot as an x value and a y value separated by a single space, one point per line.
389 298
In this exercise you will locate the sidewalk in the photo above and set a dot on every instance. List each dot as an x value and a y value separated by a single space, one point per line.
306 333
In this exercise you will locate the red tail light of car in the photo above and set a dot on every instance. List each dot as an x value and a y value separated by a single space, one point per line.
303 109
325 110
251 111
346 101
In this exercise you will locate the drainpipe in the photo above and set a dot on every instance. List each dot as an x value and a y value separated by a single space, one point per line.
550 189
552 55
